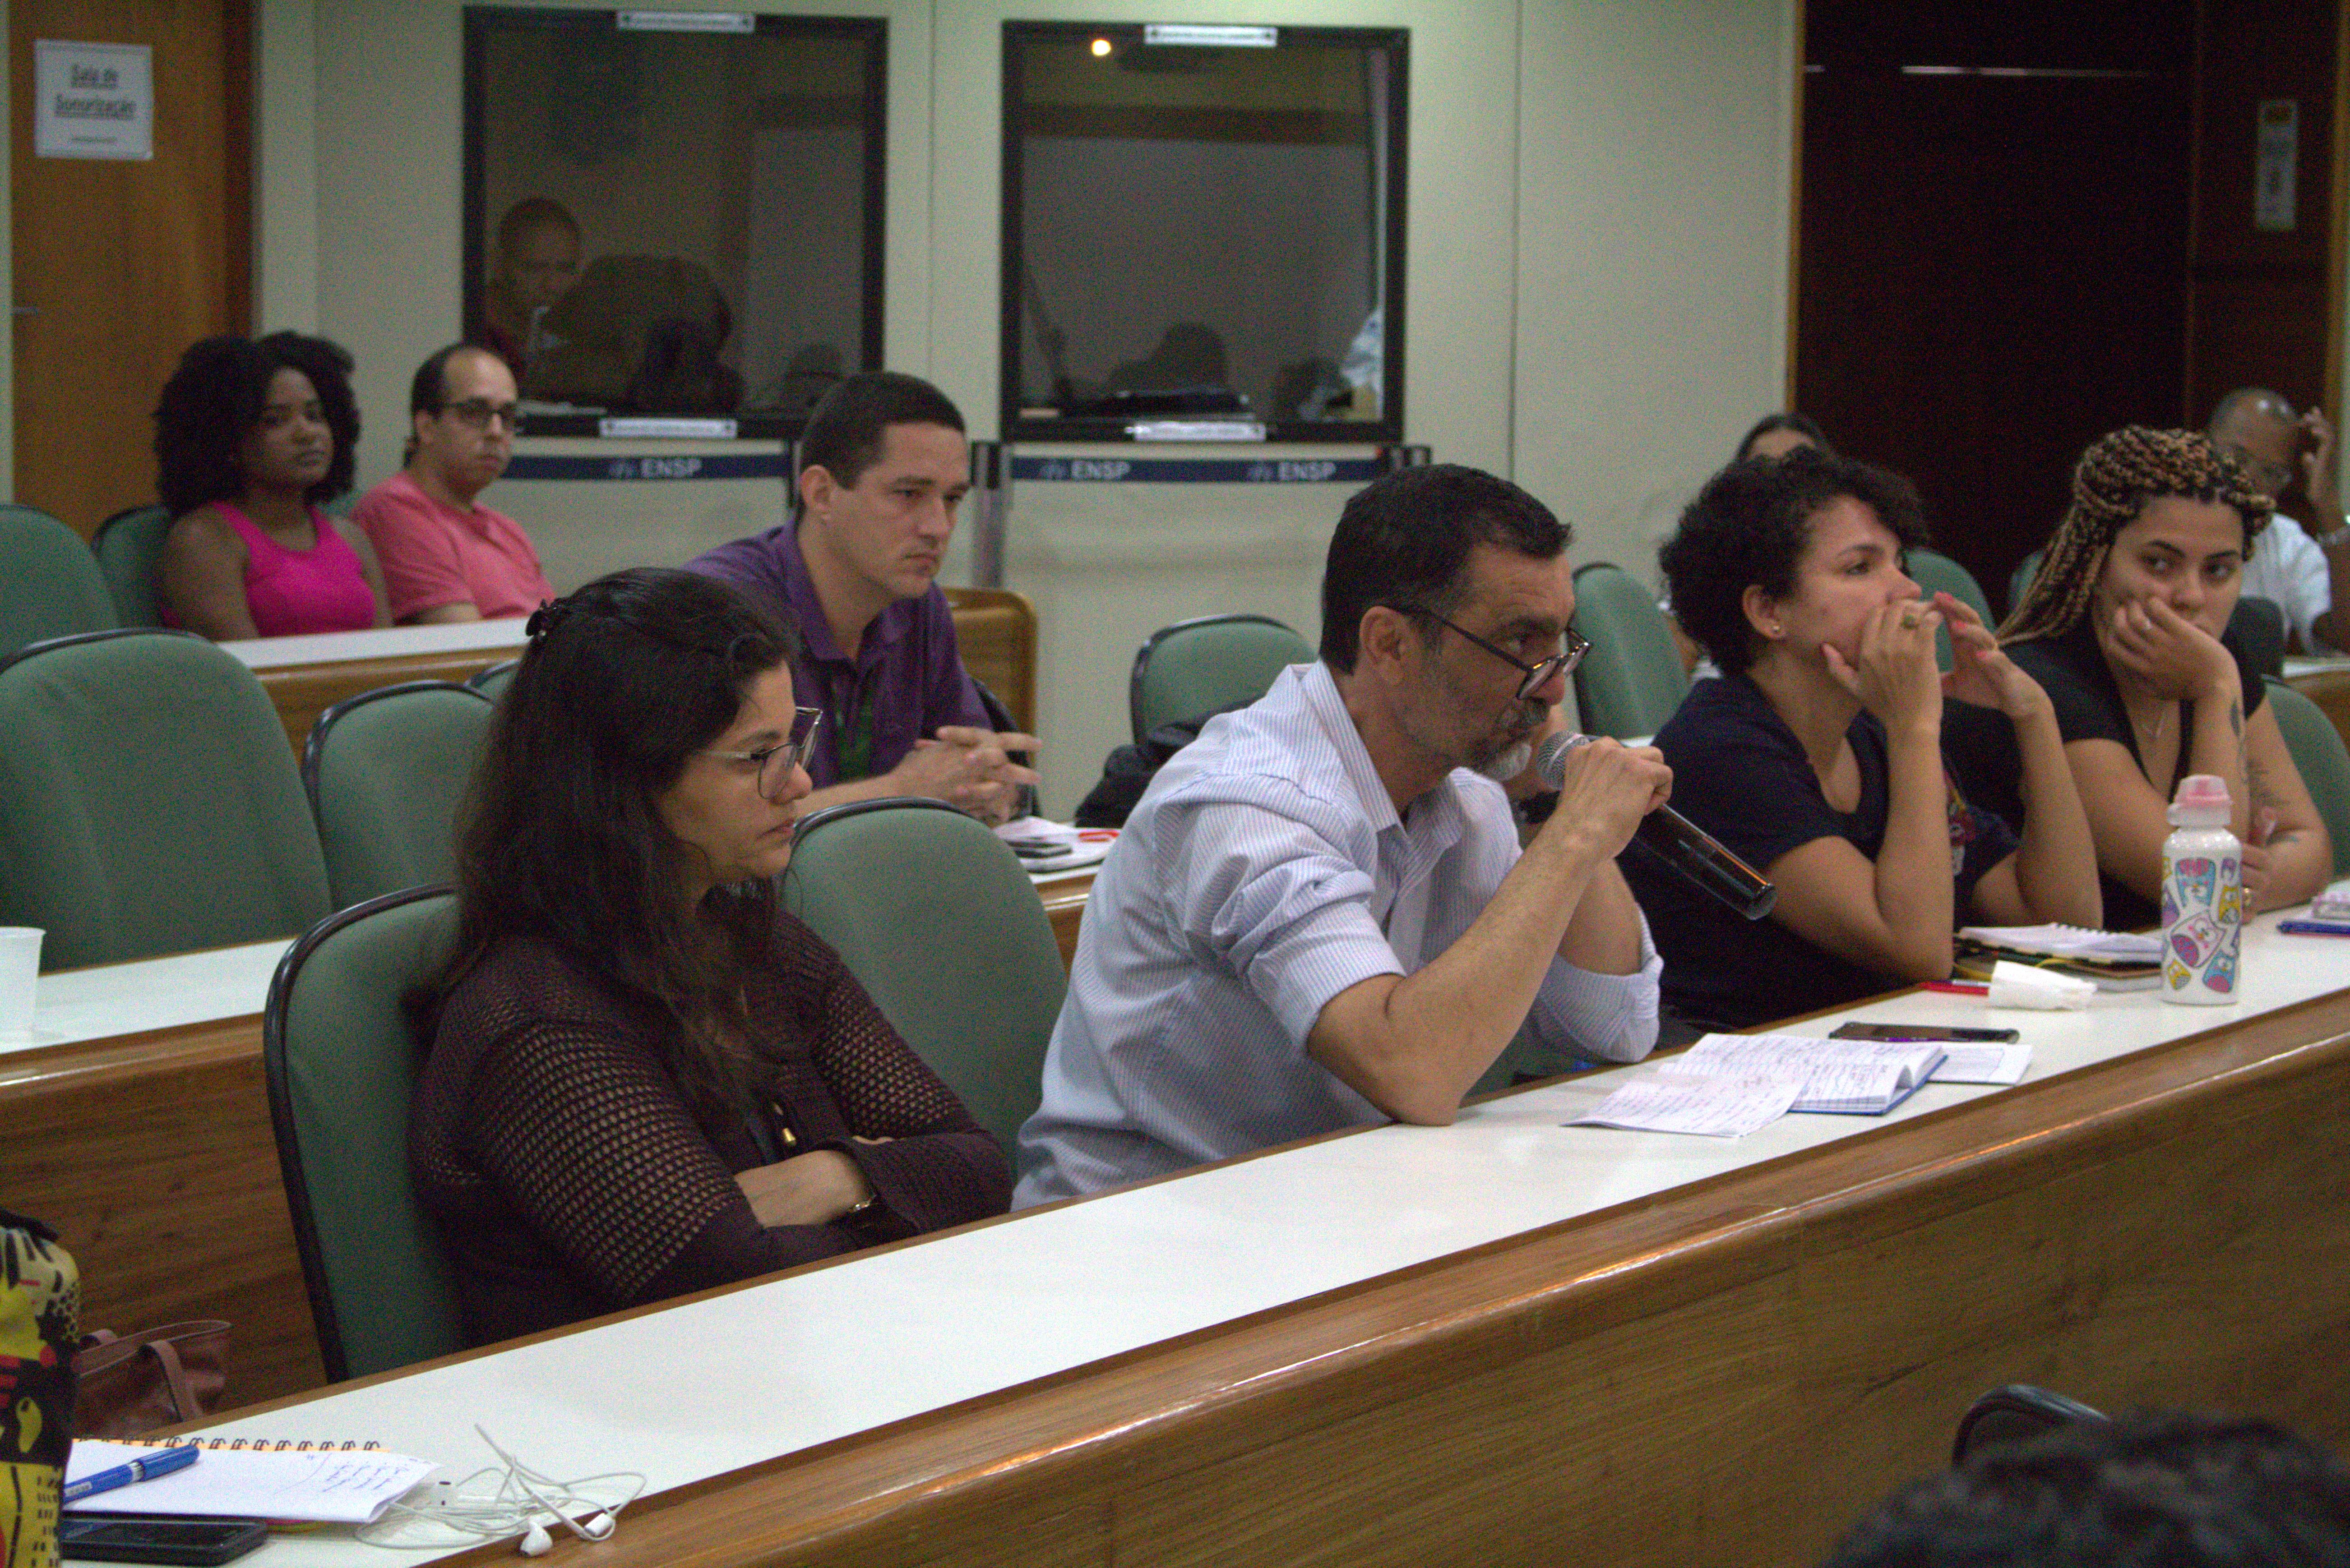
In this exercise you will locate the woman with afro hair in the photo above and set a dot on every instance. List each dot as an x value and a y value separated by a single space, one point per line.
251 436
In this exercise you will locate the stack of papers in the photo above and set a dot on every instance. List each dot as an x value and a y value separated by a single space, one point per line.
2113 960
1726 1085
1046 846
331 1486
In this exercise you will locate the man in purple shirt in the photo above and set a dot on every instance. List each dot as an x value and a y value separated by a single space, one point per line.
882 468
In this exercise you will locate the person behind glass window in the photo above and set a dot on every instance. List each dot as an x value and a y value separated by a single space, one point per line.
445 556
534 262
2126 625
252 436
1818 756
883 466
646 1078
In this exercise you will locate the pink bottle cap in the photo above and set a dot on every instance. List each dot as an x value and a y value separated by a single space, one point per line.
2203 802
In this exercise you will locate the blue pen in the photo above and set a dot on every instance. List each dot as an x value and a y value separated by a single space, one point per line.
162 1464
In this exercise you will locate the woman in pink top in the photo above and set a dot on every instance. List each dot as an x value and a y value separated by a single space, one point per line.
250 437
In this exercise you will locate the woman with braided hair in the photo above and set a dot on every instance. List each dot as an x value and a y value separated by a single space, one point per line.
2124 627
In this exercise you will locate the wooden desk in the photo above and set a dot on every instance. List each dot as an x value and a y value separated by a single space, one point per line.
1502 1341
2326 682
304 676
147 1143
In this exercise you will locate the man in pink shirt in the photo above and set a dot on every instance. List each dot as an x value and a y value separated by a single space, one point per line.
443 556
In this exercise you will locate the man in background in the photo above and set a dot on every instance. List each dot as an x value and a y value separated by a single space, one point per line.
883 466
445 555
2303 566
536 261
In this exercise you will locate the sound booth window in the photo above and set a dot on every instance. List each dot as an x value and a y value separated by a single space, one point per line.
673 214
1202 232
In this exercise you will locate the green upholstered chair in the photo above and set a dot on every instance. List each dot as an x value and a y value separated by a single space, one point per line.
387 771
2321 759
493 682
1936 572
1196 666
342 1064
1632 680
936 919
148 803
54 588
129 549
2020 579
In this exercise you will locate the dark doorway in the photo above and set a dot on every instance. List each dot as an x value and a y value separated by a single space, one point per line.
2000 256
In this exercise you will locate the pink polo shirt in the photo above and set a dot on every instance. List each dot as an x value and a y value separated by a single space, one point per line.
434 554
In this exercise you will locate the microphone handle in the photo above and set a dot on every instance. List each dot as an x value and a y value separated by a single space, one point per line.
1702 858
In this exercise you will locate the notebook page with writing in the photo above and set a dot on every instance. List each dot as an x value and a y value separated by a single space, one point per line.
333 1486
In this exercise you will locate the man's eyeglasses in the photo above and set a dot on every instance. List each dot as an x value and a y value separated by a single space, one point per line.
479 413
1573 646
775 763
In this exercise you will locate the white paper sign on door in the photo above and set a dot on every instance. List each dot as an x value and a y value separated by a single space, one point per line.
93 100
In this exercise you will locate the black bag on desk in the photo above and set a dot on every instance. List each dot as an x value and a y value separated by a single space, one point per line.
1128 771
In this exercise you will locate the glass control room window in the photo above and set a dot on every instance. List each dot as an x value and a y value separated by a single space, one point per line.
1203 225
673 214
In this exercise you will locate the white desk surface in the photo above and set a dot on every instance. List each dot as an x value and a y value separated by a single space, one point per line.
98 1003
812 1358
380 642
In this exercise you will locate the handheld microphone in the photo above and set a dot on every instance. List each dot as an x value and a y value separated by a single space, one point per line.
1680 842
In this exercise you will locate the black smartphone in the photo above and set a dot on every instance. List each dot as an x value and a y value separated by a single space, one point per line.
1925 1031
157 1538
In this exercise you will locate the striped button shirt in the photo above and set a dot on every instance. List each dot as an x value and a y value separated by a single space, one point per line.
1263 872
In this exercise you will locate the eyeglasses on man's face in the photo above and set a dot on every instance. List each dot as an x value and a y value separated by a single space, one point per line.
480 413
1572 645
775 764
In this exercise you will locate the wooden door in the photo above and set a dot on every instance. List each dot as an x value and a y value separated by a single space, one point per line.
120 266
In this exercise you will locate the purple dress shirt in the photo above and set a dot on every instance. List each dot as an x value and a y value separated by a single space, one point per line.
908 677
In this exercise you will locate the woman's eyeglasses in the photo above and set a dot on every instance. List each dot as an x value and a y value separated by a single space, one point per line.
1573 646
775 763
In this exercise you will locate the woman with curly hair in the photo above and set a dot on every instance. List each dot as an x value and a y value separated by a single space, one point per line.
1818 756
251 436
2125 626
646 1077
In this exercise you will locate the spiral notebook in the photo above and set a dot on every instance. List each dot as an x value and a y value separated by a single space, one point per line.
312 1482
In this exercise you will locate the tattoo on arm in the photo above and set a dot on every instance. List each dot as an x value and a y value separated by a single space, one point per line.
2257 777
2236 719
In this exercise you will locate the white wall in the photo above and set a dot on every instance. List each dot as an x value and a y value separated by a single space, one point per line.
1596 272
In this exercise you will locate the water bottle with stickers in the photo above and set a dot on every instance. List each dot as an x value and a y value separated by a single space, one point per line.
2202 897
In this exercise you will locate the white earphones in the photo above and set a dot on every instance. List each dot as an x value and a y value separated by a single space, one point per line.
526 1502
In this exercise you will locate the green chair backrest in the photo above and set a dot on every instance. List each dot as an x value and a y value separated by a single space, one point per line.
936 919
1195 666
1937 573
129 549
342 1065
2321 759
148 803
52 585
1632 680
387 772
493 682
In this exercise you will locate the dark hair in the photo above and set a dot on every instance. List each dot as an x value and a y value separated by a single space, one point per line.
2111 485
2159 1491
215 398
621 682
845 432
428 389
1747 528
533 213
1404 541
1787 419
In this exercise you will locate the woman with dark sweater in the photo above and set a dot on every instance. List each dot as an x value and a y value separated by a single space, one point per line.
1818 756
646 1078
